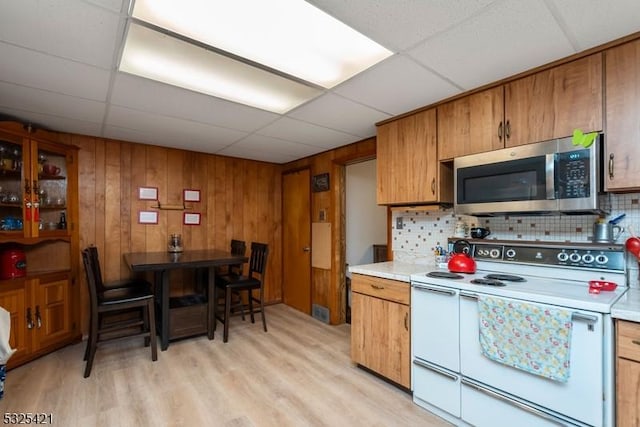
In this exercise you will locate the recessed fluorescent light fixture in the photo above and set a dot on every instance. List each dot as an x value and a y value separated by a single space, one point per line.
291 36
154 55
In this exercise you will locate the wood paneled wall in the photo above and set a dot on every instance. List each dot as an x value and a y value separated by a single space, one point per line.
328 286
239 199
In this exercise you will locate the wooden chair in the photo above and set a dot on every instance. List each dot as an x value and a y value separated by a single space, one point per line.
237 284
102 287
117 299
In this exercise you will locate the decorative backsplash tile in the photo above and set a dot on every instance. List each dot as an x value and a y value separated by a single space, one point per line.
422 231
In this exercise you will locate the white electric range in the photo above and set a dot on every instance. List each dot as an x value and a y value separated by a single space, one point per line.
452 378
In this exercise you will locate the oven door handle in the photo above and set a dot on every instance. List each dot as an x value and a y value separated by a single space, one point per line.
449 292
468 295
513 402
439 371
591 319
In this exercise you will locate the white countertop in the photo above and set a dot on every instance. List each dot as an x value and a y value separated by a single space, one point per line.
393 270
628 306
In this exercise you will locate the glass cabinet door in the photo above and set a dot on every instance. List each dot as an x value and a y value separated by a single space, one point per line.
50 191
13 180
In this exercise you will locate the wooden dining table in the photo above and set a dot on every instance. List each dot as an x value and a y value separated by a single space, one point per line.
161 263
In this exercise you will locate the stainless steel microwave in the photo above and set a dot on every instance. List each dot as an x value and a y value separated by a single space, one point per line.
551 177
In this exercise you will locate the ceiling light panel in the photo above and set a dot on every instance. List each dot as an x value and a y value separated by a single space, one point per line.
148 53
290 36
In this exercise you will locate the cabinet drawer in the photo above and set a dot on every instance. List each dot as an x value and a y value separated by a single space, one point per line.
629 340
391 290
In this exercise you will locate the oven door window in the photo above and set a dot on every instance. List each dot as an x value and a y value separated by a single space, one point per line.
515 180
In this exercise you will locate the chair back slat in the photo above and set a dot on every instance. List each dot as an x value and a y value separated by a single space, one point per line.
238 247
95 266
258 260
91 279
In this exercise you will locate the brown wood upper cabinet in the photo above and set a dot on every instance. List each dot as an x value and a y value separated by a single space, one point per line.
622 168
407 163
542 106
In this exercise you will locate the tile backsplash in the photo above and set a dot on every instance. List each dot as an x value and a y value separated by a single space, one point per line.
422 231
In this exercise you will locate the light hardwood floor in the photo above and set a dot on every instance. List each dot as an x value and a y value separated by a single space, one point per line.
297 374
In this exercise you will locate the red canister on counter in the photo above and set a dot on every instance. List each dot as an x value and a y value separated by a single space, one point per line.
13 263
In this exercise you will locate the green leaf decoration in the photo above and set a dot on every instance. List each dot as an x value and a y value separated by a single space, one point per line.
586 140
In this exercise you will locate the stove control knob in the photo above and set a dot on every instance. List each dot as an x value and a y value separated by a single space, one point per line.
494 253
563 256
587 258
574 257
510 253
602 259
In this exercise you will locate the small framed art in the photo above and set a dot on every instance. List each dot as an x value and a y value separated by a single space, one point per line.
147 217
191 218
320 182
191 195
148 193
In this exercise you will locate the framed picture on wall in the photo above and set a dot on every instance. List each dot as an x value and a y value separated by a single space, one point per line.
320 182
191 195
191 218
147 217
148 193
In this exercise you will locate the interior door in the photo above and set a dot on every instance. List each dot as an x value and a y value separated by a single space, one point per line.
296 212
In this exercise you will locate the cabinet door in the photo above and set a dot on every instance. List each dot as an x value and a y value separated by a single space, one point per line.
407 160
51 171
552 103
473 124
622 170
627 394
14 175
52 311
380 337
14 299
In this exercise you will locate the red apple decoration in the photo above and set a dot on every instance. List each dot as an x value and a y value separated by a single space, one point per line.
633 246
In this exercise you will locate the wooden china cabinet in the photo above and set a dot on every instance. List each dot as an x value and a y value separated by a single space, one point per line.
38 240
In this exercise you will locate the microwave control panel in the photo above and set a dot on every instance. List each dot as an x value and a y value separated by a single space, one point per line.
572 174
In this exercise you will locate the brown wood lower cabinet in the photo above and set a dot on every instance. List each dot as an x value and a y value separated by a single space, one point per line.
380 338
41 313
628 374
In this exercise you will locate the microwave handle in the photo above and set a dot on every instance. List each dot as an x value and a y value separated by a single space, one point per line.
550 184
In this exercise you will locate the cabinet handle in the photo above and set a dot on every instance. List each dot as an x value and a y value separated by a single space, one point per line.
377 286
433 186
29 319
507 130
500 131
636 342
611 166
406 321
38 318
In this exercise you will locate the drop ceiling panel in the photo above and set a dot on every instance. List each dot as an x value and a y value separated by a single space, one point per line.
154 97
37 70
54 123
307 133
114 5
400 25
396 86
342 114
40 101
508 38
594 22
71 29
266 144
171 130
